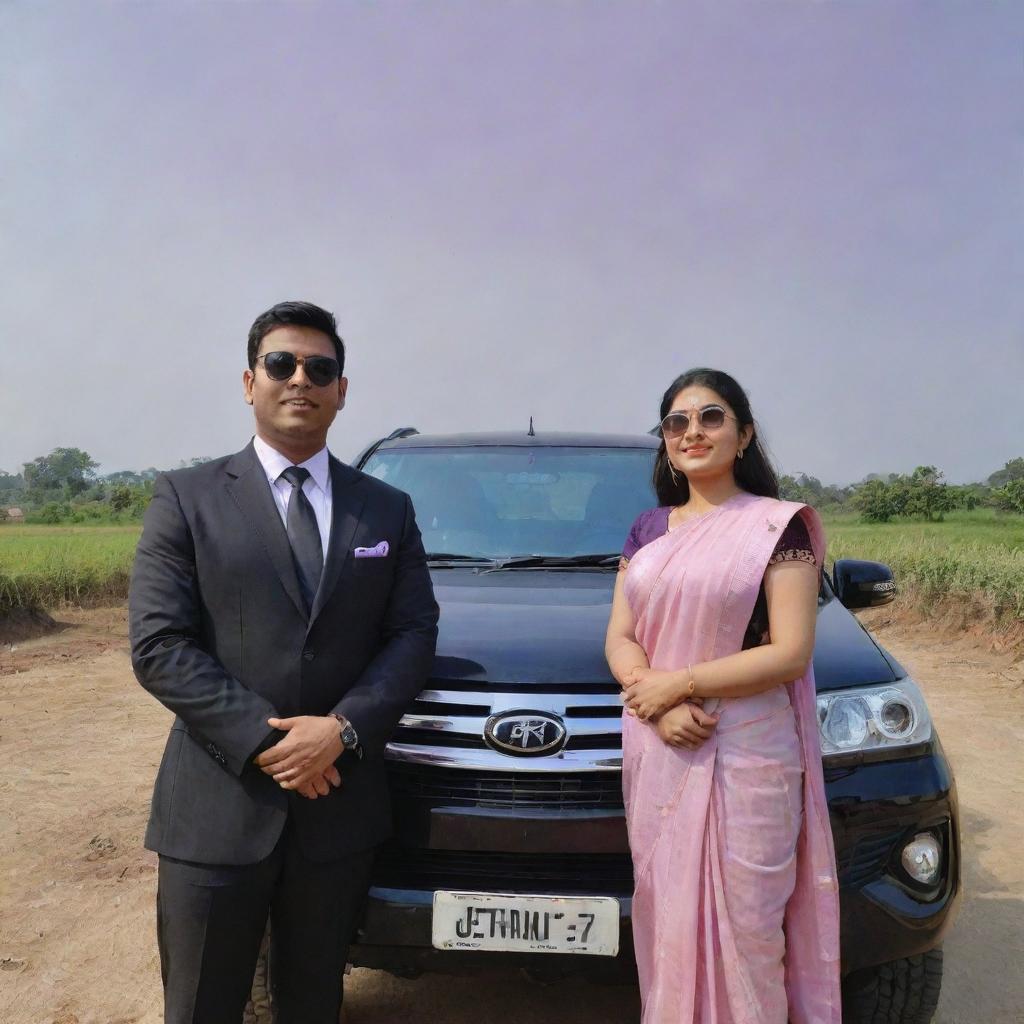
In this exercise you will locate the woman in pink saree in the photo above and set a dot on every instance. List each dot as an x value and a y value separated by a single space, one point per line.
735 911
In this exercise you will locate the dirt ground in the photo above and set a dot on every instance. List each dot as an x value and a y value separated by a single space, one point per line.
79 745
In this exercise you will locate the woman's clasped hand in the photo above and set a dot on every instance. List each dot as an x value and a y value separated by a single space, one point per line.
685 726
650 692
653 694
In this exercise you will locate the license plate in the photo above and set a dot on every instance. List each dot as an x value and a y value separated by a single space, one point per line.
526 924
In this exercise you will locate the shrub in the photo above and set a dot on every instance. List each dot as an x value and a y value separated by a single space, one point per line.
51 513
1011 497
876 501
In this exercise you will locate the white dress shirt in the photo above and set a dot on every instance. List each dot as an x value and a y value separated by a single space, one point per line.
317 486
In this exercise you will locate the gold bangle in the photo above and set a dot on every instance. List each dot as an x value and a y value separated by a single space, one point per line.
693 685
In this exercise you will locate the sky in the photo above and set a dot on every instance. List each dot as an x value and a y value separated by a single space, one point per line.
515 209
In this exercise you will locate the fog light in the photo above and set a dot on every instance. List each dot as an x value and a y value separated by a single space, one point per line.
922 858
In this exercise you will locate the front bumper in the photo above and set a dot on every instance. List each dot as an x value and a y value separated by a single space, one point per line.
875 808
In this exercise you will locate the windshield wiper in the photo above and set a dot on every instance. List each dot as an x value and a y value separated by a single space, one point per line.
436 558
603 560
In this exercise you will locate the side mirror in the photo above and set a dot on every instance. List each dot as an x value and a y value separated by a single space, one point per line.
861 584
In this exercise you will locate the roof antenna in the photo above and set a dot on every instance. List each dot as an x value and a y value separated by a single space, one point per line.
530 432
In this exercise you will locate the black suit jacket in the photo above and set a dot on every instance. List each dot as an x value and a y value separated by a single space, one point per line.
220 635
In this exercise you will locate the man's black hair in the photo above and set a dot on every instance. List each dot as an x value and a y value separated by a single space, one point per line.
295 314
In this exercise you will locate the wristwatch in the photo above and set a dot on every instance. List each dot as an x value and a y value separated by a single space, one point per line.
349 736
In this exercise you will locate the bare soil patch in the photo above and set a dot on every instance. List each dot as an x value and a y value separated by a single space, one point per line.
79 746
68 635
974 618
25 623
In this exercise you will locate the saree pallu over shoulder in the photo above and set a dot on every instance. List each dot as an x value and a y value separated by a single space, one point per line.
733 838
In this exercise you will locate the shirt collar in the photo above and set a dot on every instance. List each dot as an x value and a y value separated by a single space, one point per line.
274 464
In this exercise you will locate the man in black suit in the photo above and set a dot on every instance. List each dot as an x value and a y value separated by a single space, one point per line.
281 607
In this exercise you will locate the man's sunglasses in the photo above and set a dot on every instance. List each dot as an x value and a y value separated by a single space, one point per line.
321 370
711 417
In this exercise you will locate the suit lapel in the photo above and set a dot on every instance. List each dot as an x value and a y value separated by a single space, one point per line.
250 491
346 503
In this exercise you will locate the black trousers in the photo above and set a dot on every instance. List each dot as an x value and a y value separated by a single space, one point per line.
211 920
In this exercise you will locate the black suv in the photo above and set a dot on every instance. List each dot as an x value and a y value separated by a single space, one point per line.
510 841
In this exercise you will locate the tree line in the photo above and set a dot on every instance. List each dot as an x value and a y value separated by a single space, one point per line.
923 494
64 487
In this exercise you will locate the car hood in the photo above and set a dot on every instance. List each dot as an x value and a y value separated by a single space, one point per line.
548 626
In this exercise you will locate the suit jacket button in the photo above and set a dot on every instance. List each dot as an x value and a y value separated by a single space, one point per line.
308 655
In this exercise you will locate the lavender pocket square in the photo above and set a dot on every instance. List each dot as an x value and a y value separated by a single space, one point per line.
378 551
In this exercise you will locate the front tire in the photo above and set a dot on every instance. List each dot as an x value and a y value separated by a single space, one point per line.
900 992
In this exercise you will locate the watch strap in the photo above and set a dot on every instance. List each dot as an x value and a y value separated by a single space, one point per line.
349 736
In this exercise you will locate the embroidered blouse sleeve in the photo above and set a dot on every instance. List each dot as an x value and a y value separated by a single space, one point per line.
794 544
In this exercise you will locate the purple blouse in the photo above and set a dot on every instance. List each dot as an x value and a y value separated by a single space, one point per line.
795 543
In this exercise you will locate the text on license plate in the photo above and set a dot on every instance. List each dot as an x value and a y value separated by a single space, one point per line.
535 924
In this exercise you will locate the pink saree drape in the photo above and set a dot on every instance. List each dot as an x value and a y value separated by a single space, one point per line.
735 912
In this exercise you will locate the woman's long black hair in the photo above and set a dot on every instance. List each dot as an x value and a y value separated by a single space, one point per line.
753 472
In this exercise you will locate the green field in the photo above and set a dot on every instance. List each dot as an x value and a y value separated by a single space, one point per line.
49 566
974 554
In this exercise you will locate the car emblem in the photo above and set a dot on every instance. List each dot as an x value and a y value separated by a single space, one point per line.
525 733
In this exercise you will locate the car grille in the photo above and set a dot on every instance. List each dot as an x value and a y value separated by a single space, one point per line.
407 868
466 788
438 757
445 725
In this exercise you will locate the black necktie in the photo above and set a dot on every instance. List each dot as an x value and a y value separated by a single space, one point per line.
304 535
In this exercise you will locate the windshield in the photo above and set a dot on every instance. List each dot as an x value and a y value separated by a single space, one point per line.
500 502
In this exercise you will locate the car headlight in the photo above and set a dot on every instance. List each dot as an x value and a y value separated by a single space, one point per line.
873 717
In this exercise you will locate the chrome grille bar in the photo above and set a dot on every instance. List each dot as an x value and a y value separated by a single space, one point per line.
490 760
454 723
445 726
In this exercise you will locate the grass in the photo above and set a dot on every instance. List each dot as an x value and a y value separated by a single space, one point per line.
50 566
970 555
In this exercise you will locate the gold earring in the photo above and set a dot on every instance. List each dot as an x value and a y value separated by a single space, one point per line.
739 454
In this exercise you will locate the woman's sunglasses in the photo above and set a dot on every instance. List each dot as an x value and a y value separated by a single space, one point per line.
711 417
321 370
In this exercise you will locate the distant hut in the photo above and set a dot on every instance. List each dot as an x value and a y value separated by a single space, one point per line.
15 515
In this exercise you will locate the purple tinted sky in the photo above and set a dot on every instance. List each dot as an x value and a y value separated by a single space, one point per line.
529 208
